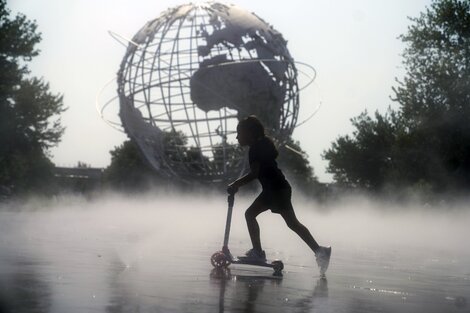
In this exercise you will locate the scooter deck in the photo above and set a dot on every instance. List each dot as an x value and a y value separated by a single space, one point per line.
248 261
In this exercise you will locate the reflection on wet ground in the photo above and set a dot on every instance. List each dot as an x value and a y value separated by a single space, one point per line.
114 259
239 292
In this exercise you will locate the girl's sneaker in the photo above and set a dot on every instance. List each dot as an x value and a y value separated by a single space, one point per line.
323 255
255 255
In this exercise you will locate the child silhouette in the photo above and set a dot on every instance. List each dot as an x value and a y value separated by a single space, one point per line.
275 194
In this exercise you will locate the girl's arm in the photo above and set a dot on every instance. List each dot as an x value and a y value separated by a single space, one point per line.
253 174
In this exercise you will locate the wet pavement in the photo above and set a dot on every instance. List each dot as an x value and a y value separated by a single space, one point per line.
125 255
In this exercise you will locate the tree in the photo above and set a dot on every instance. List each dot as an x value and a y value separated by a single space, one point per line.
435 94
29 112
127 170
427 140
366 159
294 163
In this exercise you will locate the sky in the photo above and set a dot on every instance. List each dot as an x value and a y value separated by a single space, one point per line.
353 46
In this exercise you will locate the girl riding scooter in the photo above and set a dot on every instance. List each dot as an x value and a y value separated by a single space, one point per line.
276 191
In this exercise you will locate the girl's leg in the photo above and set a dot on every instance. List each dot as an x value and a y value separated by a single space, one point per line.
294 224
253 228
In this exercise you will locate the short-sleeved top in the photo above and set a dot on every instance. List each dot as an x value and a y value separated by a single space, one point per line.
265 153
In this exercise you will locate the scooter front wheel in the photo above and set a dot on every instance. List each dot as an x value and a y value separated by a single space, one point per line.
278 266
219 260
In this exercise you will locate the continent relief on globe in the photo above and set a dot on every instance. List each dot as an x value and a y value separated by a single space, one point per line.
247 87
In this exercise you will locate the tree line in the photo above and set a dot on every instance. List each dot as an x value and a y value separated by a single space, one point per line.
422 146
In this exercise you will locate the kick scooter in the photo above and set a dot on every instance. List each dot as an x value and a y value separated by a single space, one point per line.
222 259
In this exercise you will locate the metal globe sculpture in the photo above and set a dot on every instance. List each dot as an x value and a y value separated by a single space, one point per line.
191 74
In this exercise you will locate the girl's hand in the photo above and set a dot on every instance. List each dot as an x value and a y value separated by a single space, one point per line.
232 189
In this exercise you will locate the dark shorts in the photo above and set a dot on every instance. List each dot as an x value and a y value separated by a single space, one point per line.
276 200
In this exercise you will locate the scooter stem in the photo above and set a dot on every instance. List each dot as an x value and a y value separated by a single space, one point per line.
230 200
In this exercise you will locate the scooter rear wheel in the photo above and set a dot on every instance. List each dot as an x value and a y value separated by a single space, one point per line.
219 260
278 266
